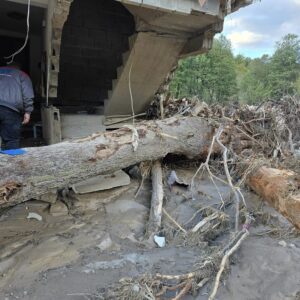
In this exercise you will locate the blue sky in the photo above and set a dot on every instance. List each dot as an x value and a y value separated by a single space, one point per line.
253 30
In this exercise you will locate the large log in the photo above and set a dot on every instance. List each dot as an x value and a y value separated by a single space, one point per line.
43 169
281 189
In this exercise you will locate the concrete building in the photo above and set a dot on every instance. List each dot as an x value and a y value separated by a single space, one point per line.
82 54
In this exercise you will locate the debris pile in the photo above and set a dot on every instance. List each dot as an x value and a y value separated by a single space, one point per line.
185 189
259 135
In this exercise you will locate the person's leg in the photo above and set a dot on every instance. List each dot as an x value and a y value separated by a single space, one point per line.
11 123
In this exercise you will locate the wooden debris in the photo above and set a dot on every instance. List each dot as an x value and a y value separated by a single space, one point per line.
280 188
59 166
156 200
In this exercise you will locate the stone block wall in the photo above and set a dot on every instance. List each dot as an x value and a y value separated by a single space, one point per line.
94 38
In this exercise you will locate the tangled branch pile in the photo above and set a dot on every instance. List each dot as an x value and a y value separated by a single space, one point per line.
273 127
268 133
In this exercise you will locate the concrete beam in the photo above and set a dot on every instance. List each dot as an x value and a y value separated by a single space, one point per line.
198 45
38 3
211 7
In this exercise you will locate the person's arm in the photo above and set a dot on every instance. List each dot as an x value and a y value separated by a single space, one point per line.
28 95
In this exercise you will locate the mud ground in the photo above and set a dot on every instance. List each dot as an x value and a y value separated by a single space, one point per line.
98 241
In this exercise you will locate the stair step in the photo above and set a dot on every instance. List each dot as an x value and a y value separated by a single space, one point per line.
132 40
110 92
114 83
120 71
125 57
105 103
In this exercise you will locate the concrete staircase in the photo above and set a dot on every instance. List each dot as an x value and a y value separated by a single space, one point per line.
149 60
166 30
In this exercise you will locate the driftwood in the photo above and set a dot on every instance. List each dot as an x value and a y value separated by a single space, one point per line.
156 199
281 189
43 169
55 167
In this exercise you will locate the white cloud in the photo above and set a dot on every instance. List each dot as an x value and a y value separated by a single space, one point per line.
242 38
296 2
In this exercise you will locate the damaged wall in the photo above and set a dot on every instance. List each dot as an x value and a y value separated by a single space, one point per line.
94 38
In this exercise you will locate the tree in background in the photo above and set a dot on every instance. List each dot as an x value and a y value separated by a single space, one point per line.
285 66
218 76
254 86
211 77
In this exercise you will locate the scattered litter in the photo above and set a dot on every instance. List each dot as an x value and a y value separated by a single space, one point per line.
35 216
160 241
173 179
282 243
13 152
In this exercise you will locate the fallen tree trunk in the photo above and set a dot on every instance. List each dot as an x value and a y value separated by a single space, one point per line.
45 169
57 166
281 189
156 199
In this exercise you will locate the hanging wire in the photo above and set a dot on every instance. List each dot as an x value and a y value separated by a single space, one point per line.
130 87
12 57
131 96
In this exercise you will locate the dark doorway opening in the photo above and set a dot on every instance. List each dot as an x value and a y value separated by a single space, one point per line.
12 36
11 44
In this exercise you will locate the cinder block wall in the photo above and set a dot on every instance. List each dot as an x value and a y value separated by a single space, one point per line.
94 38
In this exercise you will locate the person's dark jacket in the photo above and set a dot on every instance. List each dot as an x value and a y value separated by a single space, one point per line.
16 90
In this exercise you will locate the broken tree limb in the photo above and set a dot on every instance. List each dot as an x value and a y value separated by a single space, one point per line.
43 169
280 188
156 199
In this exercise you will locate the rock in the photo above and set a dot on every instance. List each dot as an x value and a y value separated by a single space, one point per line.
102 182
94 201
59 209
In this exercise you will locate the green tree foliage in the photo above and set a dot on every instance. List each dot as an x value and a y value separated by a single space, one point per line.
211 77
285 66
254 86
219 76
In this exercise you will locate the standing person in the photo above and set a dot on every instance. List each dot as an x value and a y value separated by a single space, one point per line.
16 104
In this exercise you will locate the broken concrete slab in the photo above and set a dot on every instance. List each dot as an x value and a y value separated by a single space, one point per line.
102 182
59 209
94 201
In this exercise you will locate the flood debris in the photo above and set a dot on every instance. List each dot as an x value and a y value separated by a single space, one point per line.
35 216
172 228
160 241
102 182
